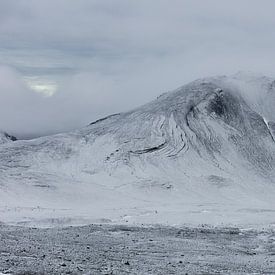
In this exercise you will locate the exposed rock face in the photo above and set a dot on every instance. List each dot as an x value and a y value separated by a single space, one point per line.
4 137
208 142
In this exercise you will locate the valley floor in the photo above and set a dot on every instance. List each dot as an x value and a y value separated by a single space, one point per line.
117 249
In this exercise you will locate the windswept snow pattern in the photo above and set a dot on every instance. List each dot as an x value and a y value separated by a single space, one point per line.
204 153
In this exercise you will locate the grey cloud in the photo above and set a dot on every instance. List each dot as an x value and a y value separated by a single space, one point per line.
110 56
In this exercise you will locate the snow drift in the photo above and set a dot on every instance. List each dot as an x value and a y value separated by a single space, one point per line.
204 153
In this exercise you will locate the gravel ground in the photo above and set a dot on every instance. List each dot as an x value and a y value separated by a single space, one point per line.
113 249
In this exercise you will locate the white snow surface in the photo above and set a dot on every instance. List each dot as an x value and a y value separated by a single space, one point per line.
202 154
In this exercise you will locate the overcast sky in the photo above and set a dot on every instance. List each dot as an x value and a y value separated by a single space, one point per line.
65 63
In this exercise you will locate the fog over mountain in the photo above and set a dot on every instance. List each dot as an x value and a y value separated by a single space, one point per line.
93 58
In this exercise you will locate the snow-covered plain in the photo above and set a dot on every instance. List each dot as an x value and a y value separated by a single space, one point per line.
202 154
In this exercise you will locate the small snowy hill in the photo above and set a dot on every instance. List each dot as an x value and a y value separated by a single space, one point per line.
204 153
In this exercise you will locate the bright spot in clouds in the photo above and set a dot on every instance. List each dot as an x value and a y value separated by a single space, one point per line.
45 87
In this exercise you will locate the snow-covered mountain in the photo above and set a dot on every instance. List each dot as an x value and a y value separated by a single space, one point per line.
204 153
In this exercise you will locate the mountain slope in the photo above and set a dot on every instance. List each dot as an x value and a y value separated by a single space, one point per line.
204 153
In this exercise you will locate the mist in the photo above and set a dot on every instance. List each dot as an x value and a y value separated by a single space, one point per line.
64 64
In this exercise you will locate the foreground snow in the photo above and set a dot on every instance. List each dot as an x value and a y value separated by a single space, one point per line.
204 153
